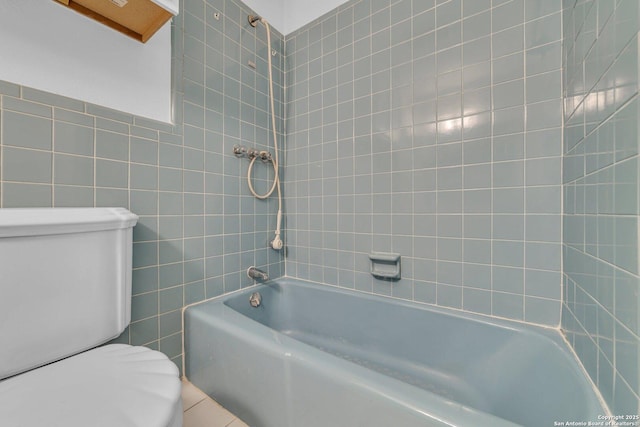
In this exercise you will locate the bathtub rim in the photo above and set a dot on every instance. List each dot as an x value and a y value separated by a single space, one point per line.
551 332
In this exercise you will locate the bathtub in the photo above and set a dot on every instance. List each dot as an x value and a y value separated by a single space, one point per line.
313 355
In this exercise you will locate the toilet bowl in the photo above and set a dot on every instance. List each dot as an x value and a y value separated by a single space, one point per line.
65 290
114 385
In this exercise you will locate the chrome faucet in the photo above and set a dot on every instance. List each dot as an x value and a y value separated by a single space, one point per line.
257 274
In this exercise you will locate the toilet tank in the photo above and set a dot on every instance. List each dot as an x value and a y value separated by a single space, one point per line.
65 282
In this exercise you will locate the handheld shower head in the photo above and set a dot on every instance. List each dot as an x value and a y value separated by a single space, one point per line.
253 20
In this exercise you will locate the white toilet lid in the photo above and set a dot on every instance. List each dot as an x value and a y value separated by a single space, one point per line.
114 385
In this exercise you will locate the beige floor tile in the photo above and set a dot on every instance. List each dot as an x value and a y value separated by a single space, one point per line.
191 395
237 423
207 414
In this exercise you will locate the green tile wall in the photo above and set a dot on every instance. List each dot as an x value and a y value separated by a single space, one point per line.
199 228
600 232
432 129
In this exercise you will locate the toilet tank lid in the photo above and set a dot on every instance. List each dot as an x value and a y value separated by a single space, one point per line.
16 222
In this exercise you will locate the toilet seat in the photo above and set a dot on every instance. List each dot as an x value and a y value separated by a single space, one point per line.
114 385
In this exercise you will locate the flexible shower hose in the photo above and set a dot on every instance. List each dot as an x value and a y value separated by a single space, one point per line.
276 243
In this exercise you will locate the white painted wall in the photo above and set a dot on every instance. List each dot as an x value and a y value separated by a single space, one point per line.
289 15
300 12
49 47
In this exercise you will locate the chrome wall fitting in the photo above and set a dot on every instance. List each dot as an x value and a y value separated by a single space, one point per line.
253 20
241 151
251 153
257 274
265 156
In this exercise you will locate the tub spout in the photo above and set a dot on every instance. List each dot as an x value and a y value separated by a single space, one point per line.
257 274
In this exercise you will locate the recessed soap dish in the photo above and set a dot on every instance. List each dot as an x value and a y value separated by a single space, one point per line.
385 266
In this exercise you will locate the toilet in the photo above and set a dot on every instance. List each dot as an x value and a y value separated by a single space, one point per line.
65 289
